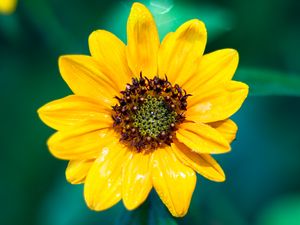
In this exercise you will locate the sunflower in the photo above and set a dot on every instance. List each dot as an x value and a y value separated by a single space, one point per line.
146 114
7 6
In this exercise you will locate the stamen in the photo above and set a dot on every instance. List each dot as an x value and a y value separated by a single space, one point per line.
153 117
149 112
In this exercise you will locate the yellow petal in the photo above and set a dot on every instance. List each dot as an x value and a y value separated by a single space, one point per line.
227 128
204 164
72 110
77 170
142 41
102 187
109 51
7 6
137 182
202 138
214 68
83 142
216 104
173 181
84 76
180 52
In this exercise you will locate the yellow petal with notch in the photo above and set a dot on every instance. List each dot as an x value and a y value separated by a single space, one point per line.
84 76
102 188
180 52
227 128
77 170
109 51
202 138
137 181
219 103
72 110
82 142
214 68
142 41
203 164
173 181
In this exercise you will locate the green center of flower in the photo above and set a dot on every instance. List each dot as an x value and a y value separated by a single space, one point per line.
153 117
149 112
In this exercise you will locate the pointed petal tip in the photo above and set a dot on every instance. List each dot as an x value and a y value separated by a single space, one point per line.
142 41
192 134
173 181
67 59
94 35
194 24
242 87
95 206
203 164
50 142
231 53
90 204
222 178
44 109
139 10
178 214
137 6
61 59
77 170
130 206
197 22
227 148
136 181
40 111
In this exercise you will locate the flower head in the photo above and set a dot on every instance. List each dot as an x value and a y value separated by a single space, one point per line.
146 114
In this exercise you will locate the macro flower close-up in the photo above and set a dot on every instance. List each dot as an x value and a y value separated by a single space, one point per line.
150 112
145 114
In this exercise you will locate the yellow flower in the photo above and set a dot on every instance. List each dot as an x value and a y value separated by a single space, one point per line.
145 115
7 6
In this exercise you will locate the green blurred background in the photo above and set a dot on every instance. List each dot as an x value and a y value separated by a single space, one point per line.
263 169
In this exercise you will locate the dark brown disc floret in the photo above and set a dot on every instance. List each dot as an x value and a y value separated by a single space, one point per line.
149 112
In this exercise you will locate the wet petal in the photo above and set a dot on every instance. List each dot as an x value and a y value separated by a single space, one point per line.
77 170
180 52
216 104
82 142
109 51
203 164
143 41
227 128
214 68
102 187
202 138
84 76
137 182
173 181
72 110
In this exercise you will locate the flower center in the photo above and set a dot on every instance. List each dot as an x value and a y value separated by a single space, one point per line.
153 117
149 112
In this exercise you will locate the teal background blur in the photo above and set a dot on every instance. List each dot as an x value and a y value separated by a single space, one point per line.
263 169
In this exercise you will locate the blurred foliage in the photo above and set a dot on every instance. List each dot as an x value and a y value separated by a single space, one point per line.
262 186
169 16
269 82
284 211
